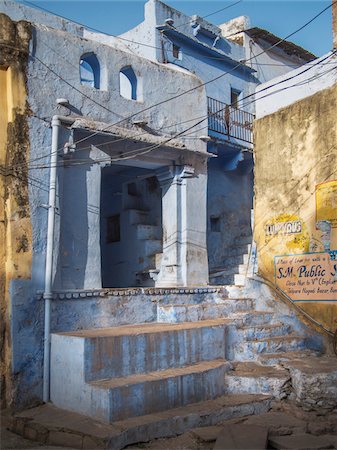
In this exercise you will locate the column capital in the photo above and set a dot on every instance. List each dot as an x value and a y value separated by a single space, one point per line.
168 174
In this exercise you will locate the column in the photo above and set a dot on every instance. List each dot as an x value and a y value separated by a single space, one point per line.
184 261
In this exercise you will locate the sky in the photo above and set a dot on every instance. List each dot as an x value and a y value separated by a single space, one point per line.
281 17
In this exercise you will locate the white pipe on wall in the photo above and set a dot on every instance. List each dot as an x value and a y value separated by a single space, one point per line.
48 293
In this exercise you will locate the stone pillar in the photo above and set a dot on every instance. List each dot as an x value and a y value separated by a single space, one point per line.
184 261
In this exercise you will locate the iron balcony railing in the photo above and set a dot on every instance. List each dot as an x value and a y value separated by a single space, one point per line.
230 121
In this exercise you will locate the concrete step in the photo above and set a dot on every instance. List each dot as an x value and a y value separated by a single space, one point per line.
271 359
250 333
203 311
253 378
151 232
231 269
243 240
152 246
130 349
138 216
150 262
250 350
237 250
219 279
147 277
217 298
91 355
53 426
239 280
138 395
252 318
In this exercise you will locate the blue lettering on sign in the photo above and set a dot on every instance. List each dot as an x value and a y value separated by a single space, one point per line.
311 271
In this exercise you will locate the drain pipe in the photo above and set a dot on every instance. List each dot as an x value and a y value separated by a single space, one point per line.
48 294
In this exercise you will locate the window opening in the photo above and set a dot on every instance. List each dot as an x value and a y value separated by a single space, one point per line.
132 189
90 70
176 51
113 229
215 223
235 97
128 83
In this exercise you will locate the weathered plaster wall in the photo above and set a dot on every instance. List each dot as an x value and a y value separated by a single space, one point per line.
229 199
193 57
295 150
53 72
15 225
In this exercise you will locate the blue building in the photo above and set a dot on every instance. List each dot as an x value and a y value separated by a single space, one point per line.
127 181
230 68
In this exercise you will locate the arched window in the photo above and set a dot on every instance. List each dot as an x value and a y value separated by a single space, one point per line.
90 70
128 83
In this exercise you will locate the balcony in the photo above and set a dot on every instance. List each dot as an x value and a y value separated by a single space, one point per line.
227 120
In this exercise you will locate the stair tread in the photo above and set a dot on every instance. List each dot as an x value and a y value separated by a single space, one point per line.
203 305
153 327
253 313
291 355
267 326
289 337
159 375
204 407
54 418
253 369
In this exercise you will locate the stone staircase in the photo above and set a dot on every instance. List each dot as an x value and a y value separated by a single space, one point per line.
113 374
116 373
237 264
149 238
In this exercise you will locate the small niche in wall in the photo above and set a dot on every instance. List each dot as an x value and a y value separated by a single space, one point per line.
215 223
113 233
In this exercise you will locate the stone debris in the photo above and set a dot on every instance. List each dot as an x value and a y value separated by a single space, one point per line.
300 442
314 382
50 425
242 437
278 423
206 434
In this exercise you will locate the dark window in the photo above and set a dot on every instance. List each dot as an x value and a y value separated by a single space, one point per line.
113 229
235 96
90 70
176 51
215 223
132 189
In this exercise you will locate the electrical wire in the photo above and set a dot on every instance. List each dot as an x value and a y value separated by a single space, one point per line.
139 152
203 118
185 92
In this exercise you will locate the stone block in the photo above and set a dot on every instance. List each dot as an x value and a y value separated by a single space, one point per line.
30 433
300 442
65 439
314 381
242 437
278 423
90 443
206 434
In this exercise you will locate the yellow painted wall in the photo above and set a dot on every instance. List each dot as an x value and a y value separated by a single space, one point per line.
295 150
15 226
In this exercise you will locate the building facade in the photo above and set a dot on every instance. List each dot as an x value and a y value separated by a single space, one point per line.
230 68
295 186
105 179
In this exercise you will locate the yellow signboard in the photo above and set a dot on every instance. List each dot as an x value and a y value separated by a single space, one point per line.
307 277
326 202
